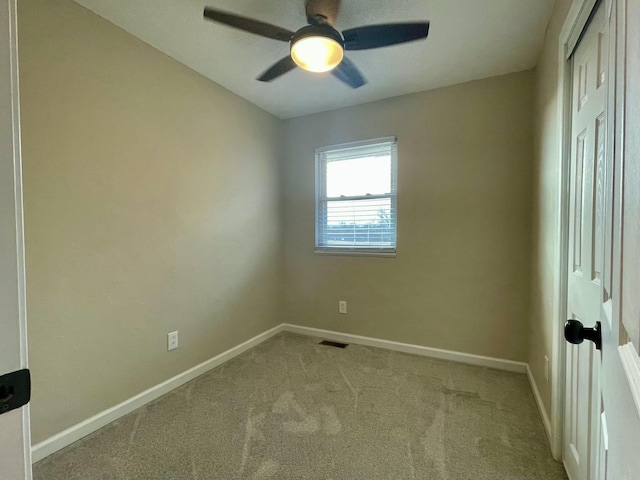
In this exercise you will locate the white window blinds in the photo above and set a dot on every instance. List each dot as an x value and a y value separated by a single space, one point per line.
356 197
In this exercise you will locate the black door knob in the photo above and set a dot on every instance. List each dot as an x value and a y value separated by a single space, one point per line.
15 390
575 332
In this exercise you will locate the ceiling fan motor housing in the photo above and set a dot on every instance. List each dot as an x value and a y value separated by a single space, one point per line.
318 31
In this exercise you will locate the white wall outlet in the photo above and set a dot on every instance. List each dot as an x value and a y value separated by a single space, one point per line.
172 340
342 306
546 368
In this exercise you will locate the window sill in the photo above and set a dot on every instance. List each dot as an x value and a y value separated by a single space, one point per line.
354 253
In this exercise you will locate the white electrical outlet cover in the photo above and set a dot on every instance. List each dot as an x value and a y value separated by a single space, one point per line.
172 340
342 306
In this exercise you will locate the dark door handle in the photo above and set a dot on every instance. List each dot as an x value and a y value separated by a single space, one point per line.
6 393
575 332
15 390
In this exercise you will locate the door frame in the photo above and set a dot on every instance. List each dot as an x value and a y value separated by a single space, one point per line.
574 24
14 284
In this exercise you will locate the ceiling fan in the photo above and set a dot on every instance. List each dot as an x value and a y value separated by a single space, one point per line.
319 47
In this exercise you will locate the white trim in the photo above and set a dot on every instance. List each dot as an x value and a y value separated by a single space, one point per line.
15 261
362 143
22 282
573 22
479 360
582 16
17 162
536 395
631 365
355 253
90 425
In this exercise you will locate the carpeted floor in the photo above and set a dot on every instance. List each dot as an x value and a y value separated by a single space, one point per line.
293 409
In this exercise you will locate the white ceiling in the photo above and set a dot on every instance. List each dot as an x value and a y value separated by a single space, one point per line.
468 40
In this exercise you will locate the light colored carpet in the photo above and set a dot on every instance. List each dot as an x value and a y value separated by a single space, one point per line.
292 409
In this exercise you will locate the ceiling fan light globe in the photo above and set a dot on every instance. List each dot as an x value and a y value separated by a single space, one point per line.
317 53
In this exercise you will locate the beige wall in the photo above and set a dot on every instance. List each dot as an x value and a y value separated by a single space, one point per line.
545 203
151 205
145 185
461 277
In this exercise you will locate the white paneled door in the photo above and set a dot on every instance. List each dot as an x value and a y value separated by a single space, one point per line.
620 311
15 457
602 397
588 145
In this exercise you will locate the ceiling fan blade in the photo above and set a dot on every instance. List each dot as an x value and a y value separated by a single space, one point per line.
280 68
322 12
349 74
248 24
375 36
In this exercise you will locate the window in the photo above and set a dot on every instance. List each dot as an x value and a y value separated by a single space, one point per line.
356 198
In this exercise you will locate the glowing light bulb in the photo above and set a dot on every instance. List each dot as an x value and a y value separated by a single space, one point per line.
317 53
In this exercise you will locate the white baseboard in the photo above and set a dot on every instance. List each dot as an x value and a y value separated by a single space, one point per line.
479 360
543 412
90 425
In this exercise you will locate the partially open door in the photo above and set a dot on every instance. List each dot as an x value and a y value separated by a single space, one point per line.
620 313
15 448
602 401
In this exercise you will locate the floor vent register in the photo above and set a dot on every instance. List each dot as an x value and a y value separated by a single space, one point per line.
329 343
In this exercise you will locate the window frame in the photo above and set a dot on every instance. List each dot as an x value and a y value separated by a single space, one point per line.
321 199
